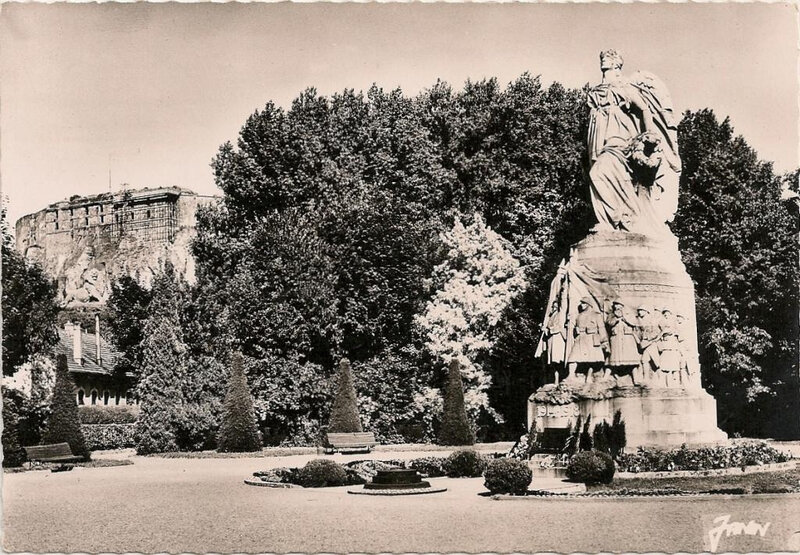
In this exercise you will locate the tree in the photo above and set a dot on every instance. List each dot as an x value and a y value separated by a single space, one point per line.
239 431
30 311
344 414
739 243
64 425
455 428
162 369
477 281
127 307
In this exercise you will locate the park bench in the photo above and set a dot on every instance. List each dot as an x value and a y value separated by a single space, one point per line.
55 453
356 441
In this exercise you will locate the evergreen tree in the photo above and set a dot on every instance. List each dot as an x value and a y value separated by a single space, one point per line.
162 369
239 431
455 428
64 424
344 414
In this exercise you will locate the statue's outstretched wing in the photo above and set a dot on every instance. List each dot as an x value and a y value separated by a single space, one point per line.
658 100
656 97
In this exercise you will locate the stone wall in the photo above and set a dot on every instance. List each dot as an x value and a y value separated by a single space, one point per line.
86 243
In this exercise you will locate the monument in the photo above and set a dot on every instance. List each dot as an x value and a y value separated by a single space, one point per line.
620 333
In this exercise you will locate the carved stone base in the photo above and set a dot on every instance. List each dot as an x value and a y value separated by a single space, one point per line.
664 418
642 270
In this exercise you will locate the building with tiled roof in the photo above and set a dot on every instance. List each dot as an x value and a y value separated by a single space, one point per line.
90 361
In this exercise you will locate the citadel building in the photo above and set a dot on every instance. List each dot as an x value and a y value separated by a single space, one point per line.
87 242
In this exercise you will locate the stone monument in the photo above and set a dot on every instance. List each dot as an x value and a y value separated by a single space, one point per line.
621 326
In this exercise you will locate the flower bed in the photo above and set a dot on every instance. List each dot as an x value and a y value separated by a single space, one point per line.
740 455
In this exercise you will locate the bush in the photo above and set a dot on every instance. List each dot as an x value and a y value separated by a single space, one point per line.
101 414
239 430
63 424
591 467
195 427
322 473
344 414
465 463
455 429
109 436
508 476
432 467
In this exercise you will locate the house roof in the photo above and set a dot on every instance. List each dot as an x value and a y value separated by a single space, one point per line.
108 356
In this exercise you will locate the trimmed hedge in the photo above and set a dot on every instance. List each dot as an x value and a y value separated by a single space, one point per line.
591 467
465 463
109 436
508 476
102 414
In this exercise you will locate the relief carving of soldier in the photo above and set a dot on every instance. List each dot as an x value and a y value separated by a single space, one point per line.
555 335
623 346
669 349
648 335
590 340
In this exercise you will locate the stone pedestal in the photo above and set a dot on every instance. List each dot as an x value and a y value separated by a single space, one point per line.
663 418
637 270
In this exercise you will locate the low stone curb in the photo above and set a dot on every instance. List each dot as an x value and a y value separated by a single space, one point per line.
419 491
263 484
788 465
620 495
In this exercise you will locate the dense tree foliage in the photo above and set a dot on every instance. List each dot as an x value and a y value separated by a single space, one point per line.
30 312
739 242
127 312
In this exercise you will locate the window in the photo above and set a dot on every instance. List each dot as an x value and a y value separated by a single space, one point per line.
148 214
81 395
56 225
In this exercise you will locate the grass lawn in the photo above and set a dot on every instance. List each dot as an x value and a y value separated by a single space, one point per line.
782 481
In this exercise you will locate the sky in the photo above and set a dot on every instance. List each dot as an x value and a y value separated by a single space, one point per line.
96 95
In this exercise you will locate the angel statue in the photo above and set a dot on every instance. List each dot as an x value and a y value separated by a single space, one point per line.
633 150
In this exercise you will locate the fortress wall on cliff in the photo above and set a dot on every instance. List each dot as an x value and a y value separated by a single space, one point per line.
87 242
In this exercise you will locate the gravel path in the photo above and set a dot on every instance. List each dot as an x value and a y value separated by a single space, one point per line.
202 505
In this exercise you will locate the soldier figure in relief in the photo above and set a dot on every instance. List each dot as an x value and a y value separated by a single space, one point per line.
669 349
555 338
590 341
624 351
648 336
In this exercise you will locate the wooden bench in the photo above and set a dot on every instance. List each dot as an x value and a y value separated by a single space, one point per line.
55 453
356 441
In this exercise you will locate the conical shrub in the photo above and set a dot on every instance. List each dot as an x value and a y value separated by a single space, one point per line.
455 428
64 425
344 415
239 430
